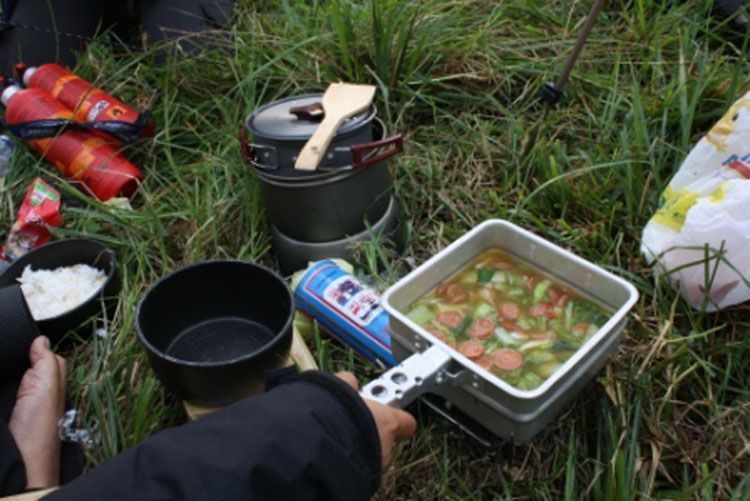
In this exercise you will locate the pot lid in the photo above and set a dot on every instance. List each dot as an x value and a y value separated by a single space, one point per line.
295 118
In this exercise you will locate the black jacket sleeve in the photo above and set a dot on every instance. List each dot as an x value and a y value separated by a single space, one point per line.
12 470
309 437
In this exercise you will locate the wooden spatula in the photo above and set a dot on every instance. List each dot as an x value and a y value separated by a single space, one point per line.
340 101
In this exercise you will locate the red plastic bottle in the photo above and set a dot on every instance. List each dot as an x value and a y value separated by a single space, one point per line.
80 155
89 104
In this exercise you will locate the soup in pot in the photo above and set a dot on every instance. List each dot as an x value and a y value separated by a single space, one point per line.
509 318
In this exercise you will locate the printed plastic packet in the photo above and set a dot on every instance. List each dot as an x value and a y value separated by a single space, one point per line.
699 238
39 211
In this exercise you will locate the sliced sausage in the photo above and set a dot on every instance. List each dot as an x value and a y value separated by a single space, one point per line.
511 327
509 311
485 362
455 294
580 329
507 360
531 282
542 335
471 349
437 333
481 328
500 265
539 309
450 319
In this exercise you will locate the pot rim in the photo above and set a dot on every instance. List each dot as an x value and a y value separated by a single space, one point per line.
285 331
318 177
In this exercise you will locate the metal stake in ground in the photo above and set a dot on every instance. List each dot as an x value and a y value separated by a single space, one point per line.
552 92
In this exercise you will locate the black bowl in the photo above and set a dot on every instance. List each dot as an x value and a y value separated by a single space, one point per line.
212 329
68 253
17 331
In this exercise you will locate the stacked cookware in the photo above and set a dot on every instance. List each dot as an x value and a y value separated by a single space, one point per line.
348 199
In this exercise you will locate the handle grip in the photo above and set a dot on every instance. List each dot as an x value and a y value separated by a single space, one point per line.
402 384
359 161
244 149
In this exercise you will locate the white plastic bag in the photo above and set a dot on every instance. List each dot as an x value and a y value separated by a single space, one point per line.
700 235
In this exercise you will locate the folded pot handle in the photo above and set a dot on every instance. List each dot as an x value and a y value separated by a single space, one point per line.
395 143
244 147
415 376
255 153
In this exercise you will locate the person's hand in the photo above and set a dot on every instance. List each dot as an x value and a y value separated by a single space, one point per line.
393 424
39 406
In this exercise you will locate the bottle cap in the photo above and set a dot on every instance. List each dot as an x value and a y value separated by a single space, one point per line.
8 93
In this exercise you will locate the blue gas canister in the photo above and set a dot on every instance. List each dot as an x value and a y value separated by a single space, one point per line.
346 308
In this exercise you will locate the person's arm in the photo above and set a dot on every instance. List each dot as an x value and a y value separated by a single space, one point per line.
309 437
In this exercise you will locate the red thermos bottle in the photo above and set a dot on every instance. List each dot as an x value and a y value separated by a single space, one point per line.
80 155
89 104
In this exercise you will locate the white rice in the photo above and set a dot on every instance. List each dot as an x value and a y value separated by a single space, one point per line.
50 293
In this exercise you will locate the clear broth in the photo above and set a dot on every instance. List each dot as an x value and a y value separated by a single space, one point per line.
509 318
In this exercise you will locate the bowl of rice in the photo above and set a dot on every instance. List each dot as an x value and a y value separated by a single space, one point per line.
66 284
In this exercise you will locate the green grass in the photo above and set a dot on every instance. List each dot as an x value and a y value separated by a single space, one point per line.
670 415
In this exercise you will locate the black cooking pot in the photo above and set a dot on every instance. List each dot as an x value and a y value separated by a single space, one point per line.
70 252
211 330
326 205
280 129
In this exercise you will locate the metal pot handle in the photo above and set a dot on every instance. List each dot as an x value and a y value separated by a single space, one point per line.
244 148
360 150
418 374
250 152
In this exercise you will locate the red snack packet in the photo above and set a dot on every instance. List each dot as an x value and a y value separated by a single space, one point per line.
39 210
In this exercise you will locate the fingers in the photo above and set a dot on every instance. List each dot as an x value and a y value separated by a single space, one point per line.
47 369
349 379
39 350
407 425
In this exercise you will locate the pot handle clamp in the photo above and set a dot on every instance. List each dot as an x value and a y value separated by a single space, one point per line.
359 151
250 153
418 374
244 146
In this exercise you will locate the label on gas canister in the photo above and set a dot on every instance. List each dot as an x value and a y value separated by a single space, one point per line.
346 308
